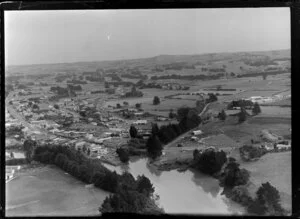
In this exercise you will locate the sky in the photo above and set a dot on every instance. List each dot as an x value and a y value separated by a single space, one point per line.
41 37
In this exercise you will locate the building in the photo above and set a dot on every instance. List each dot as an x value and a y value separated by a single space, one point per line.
140 122
197 132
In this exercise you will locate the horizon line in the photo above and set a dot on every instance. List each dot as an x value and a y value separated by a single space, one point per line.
129 59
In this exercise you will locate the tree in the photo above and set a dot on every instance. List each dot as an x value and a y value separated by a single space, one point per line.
156 100
172 114
35 107
29 146
138 105
155 129
182 112
133 132
133 89
209 161
242 115
264 77
154 146
233 175
123 154
222 115
200 104
212 97
267 201
56 106
118 106
84 149
256 109
144 185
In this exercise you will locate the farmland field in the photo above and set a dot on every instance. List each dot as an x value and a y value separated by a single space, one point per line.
276 169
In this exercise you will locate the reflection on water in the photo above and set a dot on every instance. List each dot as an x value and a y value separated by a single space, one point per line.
188 192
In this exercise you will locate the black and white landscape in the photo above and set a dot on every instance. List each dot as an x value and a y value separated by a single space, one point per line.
174 111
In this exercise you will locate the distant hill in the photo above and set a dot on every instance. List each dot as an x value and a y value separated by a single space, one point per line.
197 59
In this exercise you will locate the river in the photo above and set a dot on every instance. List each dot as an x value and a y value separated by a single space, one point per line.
188 192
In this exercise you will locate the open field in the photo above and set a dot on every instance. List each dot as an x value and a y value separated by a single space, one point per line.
276 169
50 191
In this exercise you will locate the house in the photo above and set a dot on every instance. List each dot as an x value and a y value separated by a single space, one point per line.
79 144
140 122
283 146
197 132
162 119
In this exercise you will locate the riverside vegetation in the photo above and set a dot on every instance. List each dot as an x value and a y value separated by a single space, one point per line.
128 194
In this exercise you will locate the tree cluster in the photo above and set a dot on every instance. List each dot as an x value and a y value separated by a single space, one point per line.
123 154
209 161
132 196
134 93
249 152
74 87
74 81
189 77
92 171
275 72
240 103
234 176
267 202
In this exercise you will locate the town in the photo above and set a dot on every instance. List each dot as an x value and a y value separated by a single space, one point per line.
179 113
